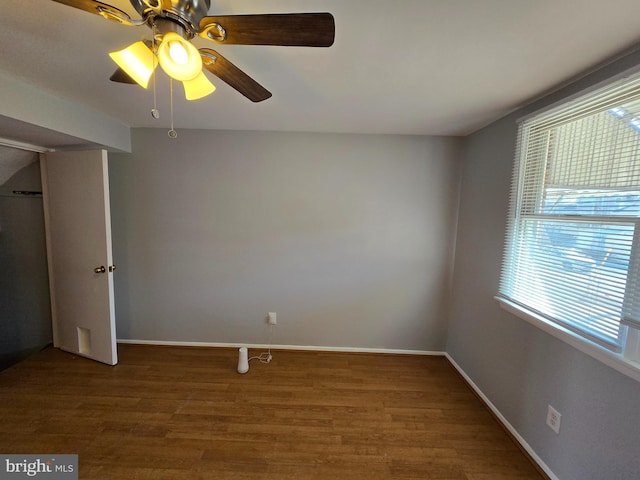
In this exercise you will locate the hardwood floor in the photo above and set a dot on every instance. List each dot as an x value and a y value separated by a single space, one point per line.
185 413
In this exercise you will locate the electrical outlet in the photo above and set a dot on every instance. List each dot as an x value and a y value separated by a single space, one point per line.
553 419
271 318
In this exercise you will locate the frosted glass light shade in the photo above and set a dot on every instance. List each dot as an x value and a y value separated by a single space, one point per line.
198 87
138 61
179 58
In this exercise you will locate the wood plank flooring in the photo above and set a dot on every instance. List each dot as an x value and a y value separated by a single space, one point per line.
185 413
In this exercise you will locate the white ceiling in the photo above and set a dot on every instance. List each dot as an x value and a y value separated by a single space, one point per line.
431 67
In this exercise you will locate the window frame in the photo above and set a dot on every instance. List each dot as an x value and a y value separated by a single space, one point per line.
627 360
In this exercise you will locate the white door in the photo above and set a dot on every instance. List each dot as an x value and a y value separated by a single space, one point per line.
75 187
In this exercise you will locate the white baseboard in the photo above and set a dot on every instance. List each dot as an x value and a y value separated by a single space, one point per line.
312 348
504 421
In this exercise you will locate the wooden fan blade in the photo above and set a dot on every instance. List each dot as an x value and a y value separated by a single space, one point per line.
285 29
233 76
103 9
121 76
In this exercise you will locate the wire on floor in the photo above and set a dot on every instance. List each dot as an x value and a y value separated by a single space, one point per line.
265 357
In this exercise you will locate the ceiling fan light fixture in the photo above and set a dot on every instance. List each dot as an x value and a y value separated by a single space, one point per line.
198 87
138 61
174 23
179 58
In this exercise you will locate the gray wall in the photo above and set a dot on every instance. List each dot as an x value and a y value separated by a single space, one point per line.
25 313
347 237
520 368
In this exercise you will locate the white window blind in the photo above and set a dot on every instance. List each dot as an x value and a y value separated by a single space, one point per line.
573 249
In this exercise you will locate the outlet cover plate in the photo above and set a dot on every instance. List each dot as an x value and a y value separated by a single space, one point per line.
553 419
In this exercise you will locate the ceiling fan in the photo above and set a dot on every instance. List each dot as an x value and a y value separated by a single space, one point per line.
176 22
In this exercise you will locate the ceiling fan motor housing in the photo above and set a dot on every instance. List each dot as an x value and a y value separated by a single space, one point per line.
186 13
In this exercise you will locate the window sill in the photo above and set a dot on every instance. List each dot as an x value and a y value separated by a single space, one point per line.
616 361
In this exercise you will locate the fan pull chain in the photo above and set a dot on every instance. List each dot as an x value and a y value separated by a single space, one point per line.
154 111
172 133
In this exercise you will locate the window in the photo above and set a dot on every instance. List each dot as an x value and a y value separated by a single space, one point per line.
573 243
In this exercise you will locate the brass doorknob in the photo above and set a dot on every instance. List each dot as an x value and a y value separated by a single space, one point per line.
100 269
112 268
